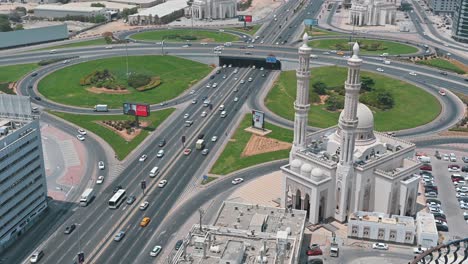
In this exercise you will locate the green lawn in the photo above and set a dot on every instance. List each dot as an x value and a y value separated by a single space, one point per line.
230 160
176 74
173 35
251 30
442 64
413 106
392 48
314 31
121 147
13 73
92 42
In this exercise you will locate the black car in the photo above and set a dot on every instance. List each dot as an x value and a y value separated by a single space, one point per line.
218 72
443 73
204 98
37 98
212 77
131 199
433 200
443 228
34 74
440 215
69 229
30 87
201 136
117 188
162 142
464 169
178 244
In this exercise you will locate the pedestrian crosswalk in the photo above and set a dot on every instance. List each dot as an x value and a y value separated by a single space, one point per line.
69 154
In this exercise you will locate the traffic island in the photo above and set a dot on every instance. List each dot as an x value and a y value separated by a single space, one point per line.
367 46
246 149
185 35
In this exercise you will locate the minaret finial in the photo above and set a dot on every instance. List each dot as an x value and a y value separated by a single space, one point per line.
356 50
305 39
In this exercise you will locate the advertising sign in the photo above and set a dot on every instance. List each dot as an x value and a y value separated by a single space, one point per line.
248 18
258 119
311 22
244 18
271 59
134 109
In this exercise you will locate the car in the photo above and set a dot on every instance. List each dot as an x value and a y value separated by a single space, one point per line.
433 204
465 160
100 180
236 99
109 47
463 189
435 210
37 98
34 74
426 167
442 228
205 152
208 85
439 215
214 85
80 137
186 115
464 206
178 244
82 131
237 181
163 104
453 168
242 82
250 79
185 46
187 151
131 199
203 114
224 76
446 157
442 92
459 183
155 251
119 236
192 92
143 158
316 251
145 221
412 73
381 246
162 142
101 165
144 205
69 229
380 70
117 188
162 183
419 250
160 153
218 72
461 194
430 194
30 86
250 46
214 139
326 53
443 73
194 101
36 256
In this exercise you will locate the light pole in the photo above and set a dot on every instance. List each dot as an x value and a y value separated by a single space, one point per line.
162 47
126 57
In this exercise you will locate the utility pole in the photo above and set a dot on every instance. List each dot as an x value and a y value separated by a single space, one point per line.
201 212
126 57
162 47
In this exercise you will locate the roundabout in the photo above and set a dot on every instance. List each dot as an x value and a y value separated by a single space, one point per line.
368 46
183 35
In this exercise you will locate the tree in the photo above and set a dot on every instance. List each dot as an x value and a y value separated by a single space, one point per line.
108 39
385 99
19 27
334 102
367 83
320 88
21 10
126 12
98 5
5 24
15 17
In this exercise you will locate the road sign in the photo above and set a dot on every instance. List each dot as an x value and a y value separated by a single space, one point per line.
311 22
143 185
271 59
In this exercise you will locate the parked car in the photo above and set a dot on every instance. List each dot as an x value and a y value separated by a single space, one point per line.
314 252
178 244
419 250
442 228
381 246
426 167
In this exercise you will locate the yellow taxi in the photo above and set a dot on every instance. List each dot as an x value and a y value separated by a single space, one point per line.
145 221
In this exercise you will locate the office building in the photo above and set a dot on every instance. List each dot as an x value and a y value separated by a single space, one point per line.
460 21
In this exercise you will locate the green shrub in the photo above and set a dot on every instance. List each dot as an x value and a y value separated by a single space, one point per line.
138 80
155 82
334 102
50 61
188 37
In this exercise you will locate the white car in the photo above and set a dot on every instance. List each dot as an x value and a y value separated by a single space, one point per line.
214 139
236 99
250 46
412 73
162 183
185 46
214 85
381 246
186 115
380 70
453 169
435 210
463 189
250 79
80 137
203 114
194 101
459 183
433 204
446 157
442 92
242 81
101 165
143 157
155 252
237 181
82 131
160 153
192 92
419 250
144 205
460 194
464 206
208 85
100 180
109 47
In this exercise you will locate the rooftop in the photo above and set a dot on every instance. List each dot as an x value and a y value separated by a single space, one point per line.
377 217
15 112
84 6
134 2
163 9
426 222
232 238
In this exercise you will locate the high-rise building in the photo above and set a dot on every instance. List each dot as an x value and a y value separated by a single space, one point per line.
460 21
23 188
442 7
337 171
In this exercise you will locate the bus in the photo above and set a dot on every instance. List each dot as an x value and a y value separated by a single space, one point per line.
117 199
86 197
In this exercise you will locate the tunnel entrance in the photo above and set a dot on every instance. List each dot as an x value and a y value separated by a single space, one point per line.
269 63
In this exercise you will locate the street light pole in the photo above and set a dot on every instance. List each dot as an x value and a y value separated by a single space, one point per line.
162 47
126 57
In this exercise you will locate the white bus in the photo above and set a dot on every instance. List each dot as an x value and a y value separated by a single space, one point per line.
117 199
86 197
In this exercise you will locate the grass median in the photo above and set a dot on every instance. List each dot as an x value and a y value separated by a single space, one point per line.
176 75
413 106
182 35
367 46
231 159
442 64
13 73
92 42
121 147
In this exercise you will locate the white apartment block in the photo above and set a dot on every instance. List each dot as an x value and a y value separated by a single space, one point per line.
23 188
442 7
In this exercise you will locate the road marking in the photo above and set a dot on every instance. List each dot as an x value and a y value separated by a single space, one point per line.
69 191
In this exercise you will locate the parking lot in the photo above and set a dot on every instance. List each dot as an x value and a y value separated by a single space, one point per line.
458 227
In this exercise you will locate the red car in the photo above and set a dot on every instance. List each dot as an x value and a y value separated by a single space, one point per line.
426 167
187 152
314 250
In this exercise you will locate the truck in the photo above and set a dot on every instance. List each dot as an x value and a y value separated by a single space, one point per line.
87 197
101 108
200 144
334 250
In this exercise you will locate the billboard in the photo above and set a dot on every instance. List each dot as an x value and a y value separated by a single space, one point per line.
136 109
248 18
258 119
244 18
311 22
271 59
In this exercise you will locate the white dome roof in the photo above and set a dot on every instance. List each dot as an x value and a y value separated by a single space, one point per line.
306 168
364 115
296 163
317 172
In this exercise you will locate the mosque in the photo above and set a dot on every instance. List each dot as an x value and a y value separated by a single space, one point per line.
373 12
340 170
214 9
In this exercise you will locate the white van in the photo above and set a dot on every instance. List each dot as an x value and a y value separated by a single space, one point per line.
221 107
386 62
223 114
52 51
188 123
154 172
227 44
312 56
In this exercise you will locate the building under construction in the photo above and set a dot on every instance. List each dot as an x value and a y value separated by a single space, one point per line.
245 233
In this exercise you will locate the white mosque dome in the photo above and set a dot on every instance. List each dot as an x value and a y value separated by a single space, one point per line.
317 172
296 163
364 115
306 169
